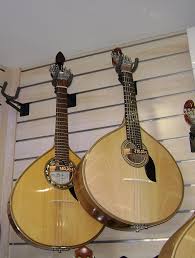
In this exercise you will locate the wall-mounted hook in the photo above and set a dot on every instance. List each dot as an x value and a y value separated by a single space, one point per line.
22 108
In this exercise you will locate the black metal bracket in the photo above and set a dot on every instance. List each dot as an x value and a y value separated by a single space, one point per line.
23 109
71 97
192 138
72 100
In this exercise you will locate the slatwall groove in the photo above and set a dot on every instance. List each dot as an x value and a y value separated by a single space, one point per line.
29 158
164 82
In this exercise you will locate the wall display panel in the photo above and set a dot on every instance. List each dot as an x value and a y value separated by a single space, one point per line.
7 143
35 147
147 108
164 82
97 61
149 69
191 41
168 84
162 128
101 250
2 75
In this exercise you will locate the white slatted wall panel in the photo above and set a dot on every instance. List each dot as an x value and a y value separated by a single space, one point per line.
191 41
1 82
165 82
2 79
7 149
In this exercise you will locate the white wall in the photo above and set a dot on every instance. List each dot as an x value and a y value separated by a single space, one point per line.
191 41
1 82
7 149
165 82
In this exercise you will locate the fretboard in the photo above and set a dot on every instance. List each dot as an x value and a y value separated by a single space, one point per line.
61 130
131 115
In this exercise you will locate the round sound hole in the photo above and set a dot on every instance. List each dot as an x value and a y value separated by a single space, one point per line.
59 174
134 156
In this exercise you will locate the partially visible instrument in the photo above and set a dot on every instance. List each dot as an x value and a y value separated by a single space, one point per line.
189 115
182 243
43 208
128 180
84 252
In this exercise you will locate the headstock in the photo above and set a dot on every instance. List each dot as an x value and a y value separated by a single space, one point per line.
123 63
189 112
84 252
61 75
189 115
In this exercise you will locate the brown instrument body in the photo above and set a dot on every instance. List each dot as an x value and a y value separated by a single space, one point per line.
43 208
118 194
182 243
46 216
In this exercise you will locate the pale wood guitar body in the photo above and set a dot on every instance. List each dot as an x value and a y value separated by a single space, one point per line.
119 194
46 216
182 243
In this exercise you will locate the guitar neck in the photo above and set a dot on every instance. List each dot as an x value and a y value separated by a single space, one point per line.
61 129
131 114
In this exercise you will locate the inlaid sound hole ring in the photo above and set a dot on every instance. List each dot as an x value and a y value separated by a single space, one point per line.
134 156
59 174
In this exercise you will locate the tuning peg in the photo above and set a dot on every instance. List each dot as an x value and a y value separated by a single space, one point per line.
60 59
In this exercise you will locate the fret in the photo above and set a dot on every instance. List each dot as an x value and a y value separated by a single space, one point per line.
64 155
65 108
62 124
60 146
61 86
61 135
61 92
62 119
61 98
131 115
61 149
62 152
57 113
61 128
